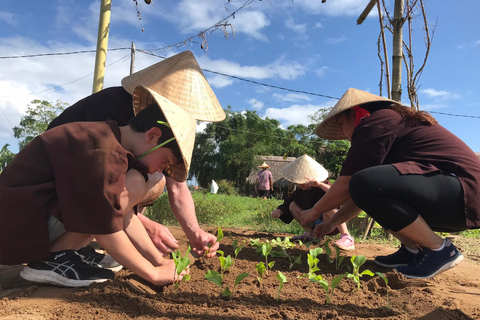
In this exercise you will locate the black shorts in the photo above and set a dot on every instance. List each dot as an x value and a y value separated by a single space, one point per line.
264 193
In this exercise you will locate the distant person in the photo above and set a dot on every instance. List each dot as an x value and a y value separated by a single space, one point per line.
181 80
84 180
408 173
264 183
312 184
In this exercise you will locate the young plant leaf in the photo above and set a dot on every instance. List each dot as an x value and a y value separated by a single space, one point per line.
214 276
282 279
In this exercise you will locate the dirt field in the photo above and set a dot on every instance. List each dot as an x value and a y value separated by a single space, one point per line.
454 294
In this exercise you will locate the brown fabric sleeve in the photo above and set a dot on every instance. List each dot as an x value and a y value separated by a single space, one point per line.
89 195
371 142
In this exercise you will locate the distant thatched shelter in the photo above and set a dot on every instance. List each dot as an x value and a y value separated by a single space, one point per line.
280 185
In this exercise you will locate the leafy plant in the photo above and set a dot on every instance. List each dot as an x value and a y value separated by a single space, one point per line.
357 262
216 278
282 279
285 243
338 259
385 279
181 263
312 261
328 287
260 267
266 249
225 262
282 253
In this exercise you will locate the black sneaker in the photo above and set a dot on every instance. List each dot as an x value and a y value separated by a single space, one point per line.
428 263
105 261
65 268
402 257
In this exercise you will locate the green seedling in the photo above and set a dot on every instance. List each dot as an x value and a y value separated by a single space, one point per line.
328 251
236 247
282 279
285 243
357 262
181 264
255 243
266 249
385 279
219 238
282 253
328 287
225 262
312 261
216 278
338 258
260 267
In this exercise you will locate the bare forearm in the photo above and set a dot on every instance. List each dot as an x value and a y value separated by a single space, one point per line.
138 235
182 206
336 196
347 212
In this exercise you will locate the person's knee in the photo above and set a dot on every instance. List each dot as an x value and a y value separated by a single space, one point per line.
360 187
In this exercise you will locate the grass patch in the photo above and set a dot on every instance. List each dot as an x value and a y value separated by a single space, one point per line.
227 211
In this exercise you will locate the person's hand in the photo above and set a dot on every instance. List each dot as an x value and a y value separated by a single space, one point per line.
204 244
312 182
162 238
276 213
322 229
307 218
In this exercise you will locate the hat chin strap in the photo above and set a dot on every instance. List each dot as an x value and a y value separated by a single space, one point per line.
155 148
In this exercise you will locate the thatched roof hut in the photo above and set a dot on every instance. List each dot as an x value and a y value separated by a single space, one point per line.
276 164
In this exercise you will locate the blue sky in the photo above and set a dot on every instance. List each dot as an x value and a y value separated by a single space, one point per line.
307 46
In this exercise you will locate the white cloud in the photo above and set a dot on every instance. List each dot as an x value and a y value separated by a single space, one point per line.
337 40
255 104
8 18
293 115
322 72
291 97
297 28
432 93
318 25
191 17
280 68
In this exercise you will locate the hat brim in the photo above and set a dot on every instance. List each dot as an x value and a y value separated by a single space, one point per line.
329 128
303 168
182 124
181 80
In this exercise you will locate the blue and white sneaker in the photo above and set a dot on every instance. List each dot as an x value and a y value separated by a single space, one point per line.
67 269
402 257
428 263
89 254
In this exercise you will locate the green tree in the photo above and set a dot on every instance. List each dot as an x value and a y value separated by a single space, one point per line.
6 156
39 114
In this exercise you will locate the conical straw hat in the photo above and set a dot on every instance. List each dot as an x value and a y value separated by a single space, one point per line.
181 123
180 80
263 165
328 128
303 168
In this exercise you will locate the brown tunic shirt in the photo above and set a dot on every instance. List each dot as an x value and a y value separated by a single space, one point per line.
382 138
75 172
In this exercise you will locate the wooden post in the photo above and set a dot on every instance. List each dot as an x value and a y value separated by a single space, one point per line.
398 21
132 59
102 44
387 66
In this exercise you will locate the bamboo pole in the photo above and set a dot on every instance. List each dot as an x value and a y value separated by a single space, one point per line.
102 44
387 66
397 51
